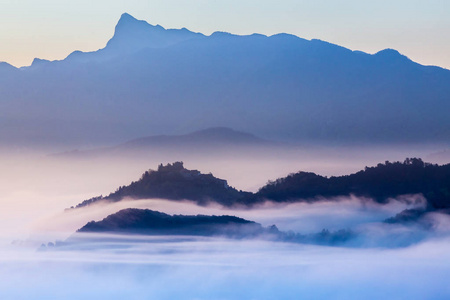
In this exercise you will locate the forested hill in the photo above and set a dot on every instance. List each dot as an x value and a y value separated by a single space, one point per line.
174 182
381 182
147 221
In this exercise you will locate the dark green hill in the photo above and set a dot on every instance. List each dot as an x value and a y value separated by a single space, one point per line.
384 181
381 182
147 221
174 182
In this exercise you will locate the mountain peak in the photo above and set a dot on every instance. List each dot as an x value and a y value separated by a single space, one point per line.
390 54
132 35
126 17
39 61
127 23
130 23
389 51
6 66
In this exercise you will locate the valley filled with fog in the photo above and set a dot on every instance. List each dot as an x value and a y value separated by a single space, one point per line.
37 188
206 269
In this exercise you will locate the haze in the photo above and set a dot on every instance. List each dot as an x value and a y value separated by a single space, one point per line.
37 188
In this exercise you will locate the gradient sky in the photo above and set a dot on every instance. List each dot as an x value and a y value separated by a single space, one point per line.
51 29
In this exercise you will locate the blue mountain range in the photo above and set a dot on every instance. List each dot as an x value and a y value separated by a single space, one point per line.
149 80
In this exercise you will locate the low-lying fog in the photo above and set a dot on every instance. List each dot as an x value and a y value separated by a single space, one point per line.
35 189
217 269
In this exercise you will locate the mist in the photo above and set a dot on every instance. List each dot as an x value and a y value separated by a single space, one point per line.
37 188
223 269
408 262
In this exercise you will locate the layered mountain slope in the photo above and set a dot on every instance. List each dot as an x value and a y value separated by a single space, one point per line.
149 80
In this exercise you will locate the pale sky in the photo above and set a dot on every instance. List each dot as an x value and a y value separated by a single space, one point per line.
51 29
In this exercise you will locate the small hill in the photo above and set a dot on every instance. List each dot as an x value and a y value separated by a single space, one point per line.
149 222
145 221
174 182
381 182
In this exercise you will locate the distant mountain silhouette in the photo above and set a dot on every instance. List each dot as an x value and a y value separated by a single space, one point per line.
132 35
151 80
209 137
217 139
5 67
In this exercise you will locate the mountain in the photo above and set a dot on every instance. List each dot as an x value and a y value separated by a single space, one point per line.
5 67
149 222
157 223
131 35
217 139
153 223
123 227
217 136
151 80
174 182
380 183
384 181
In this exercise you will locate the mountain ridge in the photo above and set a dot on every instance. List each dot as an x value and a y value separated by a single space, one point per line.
380 183
280 87
127 24
212 139
174 182
209 135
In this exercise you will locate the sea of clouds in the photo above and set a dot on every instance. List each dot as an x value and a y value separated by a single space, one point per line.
387 262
